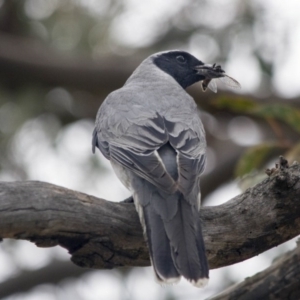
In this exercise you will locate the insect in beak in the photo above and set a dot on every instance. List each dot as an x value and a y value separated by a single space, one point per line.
214 72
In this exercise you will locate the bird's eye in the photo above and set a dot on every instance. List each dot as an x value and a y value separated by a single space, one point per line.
180 59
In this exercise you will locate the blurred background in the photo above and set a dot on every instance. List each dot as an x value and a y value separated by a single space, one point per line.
58 61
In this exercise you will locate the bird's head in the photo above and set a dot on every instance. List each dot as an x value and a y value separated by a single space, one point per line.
184 67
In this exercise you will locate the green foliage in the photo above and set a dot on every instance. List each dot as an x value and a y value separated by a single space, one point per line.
237 105
281 112
293 154
255 157
285 113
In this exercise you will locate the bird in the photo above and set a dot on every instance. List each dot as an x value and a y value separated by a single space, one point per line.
151 132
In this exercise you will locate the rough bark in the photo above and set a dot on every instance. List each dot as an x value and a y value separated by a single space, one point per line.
103 234
280 281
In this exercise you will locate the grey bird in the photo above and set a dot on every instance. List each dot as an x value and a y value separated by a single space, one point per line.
151 132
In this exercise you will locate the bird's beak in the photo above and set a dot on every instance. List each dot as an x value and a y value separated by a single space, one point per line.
210 71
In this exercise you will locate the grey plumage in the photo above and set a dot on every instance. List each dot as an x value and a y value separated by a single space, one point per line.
151 132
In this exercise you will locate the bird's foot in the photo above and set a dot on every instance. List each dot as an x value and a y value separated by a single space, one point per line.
128 200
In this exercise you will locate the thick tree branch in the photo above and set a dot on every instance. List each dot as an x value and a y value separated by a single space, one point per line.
279 281
103 234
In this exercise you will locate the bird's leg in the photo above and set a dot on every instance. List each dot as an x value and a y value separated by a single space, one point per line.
128 200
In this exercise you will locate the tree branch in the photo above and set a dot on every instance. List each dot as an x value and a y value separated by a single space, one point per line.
53 273
279 281
103 234
24 60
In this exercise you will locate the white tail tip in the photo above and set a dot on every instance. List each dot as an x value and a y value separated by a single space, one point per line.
200 283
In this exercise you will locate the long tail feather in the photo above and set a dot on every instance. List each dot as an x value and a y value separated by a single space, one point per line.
173 232
187 245
159 247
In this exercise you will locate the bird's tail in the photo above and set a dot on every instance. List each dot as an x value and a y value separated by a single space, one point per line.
173 232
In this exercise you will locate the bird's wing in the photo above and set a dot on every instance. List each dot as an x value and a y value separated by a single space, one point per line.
132 137
188 138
